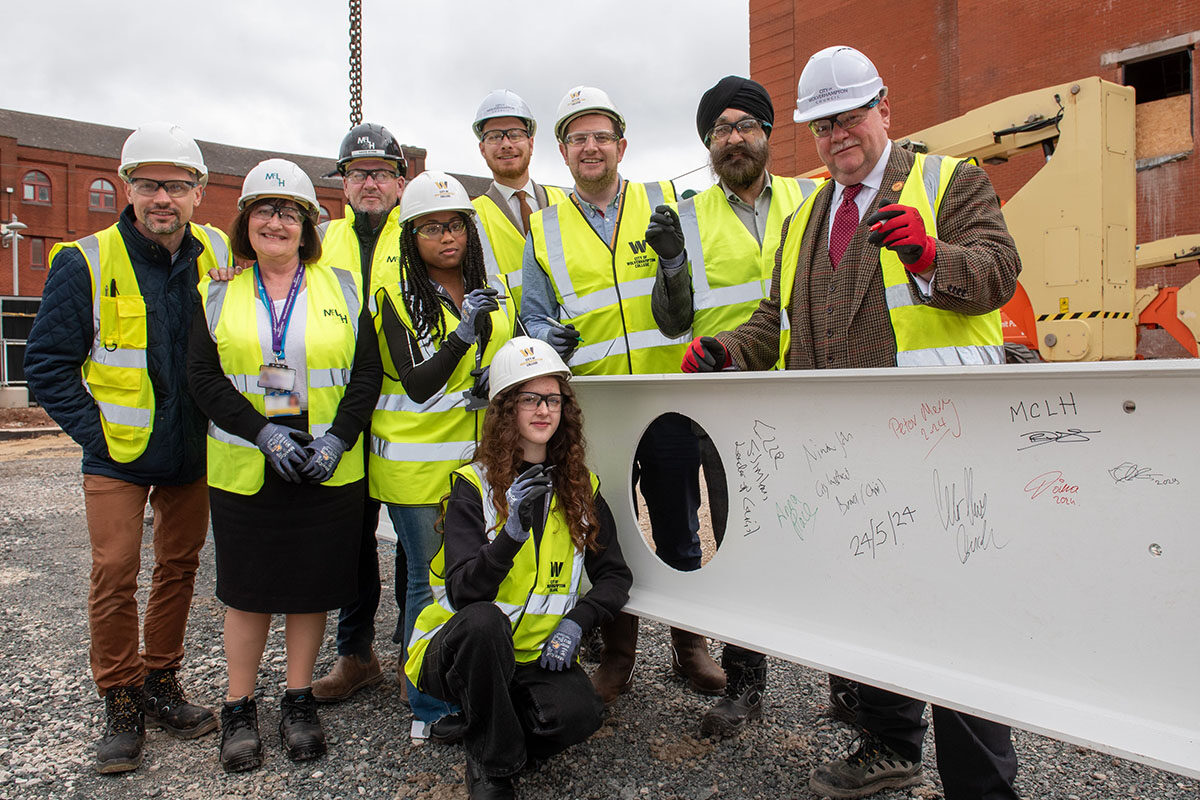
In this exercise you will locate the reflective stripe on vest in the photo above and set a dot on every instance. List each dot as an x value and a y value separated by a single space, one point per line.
415 446
605 291
740 266
504 243
536 593
925 336
231 308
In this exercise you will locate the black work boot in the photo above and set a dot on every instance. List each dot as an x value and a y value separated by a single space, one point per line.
241 746
481 786
166 707
299 728
120 749
744 687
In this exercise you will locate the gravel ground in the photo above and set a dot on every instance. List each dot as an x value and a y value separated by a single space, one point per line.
648 748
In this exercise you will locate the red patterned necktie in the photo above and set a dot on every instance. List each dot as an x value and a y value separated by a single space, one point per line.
845 222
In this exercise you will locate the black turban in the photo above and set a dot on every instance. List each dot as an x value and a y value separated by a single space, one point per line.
733 92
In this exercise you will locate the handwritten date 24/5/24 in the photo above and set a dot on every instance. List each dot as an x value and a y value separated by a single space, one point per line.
882 532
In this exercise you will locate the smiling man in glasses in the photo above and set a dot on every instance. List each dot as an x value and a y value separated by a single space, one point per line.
715 251
116 310
902 259
505 127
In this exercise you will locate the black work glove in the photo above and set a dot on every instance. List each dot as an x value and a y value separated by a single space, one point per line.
564 340
664 233
529 487
558 653
284 449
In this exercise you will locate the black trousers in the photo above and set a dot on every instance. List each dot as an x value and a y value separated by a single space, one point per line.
667 465
975 757
356 622
514 712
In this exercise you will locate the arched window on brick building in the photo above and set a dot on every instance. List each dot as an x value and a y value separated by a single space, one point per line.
35 187
102 196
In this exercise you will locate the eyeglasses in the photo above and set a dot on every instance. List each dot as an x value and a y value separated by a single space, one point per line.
357 176
529 401
746 126
514 135
148 188
579 138
822 128
286 214
434 230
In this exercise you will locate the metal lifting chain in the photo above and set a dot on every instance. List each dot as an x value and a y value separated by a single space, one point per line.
355 62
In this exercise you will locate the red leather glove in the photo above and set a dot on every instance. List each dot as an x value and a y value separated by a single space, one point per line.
901 229
704 354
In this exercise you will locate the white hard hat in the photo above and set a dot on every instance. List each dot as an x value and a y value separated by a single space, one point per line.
520 359
503 103
162 143
834 80
278 177
433 191
585 100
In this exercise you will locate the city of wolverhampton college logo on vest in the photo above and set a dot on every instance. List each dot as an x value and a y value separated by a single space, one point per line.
555 584
642 258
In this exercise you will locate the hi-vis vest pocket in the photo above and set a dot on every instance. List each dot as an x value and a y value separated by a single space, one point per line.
123 322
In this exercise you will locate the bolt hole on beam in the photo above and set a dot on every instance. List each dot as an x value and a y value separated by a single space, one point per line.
1129 406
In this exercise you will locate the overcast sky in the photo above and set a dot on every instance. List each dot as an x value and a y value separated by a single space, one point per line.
274 75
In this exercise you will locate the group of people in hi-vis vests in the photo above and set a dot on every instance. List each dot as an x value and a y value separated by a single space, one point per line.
295 378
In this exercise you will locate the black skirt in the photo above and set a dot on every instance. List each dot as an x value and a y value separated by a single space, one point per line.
289 548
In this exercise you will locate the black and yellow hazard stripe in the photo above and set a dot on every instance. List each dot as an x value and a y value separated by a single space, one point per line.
1087 315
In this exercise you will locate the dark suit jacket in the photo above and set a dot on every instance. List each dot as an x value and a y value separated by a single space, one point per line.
975 272
494 195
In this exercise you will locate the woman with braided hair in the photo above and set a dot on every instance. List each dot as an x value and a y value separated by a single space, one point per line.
524 522
438 328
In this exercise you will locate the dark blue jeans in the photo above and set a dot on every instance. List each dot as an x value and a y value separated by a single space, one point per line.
667 465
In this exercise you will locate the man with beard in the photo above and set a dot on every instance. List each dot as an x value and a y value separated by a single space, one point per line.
116 312
902 259
506 127
371 163
715 259
586 262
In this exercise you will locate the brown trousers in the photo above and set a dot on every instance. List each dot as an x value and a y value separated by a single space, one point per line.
115 510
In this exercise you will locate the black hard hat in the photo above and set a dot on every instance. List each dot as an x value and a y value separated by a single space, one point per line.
368 140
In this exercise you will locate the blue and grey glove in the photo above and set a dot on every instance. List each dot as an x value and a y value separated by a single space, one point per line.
530 486
324 454
564 340
284 449
477 304
558 653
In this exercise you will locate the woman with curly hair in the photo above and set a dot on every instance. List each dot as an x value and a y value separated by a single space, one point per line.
522 524
439 327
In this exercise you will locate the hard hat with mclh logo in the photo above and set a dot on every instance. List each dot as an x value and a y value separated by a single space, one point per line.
369 140
278 177
162 143
503 103
834 80
520 359
585 100
433 191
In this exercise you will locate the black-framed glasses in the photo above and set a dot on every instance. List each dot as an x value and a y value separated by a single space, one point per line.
822 128
434 230
514 135
148 188
579 138
357 176
746 127
287 215
528 401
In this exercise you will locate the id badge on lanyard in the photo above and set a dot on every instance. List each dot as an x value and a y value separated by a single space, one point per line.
281 398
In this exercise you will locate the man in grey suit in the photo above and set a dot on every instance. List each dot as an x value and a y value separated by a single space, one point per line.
868 269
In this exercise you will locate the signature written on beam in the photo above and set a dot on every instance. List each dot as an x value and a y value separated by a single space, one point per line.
1070 435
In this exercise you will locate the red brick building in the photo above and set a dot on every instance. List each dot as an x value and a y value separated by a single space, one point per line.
59 177
942 58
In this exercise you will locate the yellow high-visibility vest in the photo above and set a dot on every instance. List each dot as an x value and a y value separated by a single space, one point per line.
332 307
539 590
503 242
603 288
415 446
925 336
115 371
339 248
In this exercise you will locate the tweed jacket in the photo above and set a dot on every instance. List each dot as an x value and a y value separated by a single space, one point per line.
975 272
496 197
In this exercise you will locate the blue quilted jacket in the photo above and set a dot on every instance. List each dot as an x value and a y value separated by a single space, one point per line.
62 338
